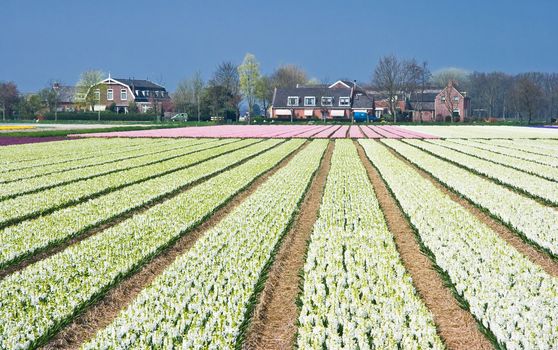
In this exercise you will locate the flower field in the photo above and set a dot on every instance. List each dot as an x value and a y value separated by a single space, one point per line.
181 241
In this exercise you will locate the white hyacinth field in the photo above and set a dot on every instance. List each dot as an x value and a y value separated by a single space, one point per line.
447 240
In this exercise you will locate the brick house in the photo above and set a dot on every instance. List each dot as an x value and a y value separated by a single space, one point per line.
144 93
440 105
341 100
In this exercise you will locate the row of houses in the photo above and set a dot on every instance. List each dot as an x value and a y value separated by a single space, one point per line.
342 100
347 100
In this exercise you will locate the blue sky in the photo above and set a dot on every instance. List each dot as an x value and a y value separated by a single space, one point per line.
167 41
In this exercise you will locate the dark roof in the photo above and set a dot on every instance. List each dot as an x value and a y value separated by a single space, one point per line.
426 97
141 84
362 100
281 95
426 106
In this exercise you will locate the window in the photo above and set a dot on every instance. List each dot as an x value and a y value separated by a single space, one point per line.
344 101
97 95
110 95
309 101
456 98
292 101
443 98
123 94
137 92
327 101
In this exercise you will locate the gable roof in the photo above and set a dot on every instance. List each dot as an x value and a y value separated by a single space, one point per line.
140 84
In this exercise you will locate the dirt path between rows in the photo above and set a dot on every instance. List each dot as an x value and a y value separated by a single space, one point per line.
273 324
537 256
456 326
102 313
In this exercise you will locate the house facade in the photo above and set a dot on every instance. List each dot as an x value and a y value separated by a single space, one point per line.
122 92
341 100
440 105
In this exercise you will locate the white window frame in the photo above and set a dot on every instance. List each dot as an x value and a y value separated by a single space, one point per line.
328 104
123 95
292 104
97 95
312 98
455 98
443 98
344 101
110 93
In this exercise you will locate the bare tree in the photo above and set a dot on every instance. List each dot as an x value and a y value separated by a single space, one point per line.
457 76
528 96
289 76
389 77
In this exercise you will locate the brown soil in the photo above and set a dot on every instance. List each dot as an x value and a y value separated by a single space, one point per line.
102 313
274 320
58 247
456 326
535 255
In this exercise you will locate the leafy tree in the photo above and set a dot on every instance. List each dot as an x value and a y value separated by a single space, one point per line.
249 75
9 96
218 101
264 92
86 86
30 106
227 77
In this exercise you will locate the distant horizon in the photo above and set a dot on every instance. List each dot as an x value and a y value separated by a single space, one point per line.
168 41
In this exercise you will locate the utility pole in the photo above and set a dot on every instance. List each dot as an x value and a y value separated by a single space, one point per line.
55 88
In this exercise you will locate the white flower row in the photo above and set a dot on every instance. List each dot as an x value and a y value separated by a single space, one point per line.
36 203
34 154
200 301
493 146
534 185
356 291
546 171
539 146
511 296
535 221
37 300
33 184
30 236
96 160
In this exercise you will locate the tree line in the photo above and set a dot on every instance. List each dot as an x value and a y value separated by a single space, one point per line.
231 84
525 97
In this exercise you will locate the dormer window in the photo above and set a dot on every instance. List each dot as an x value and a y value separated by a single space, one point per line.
344 101
327 101
292 101
137 92
310 101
